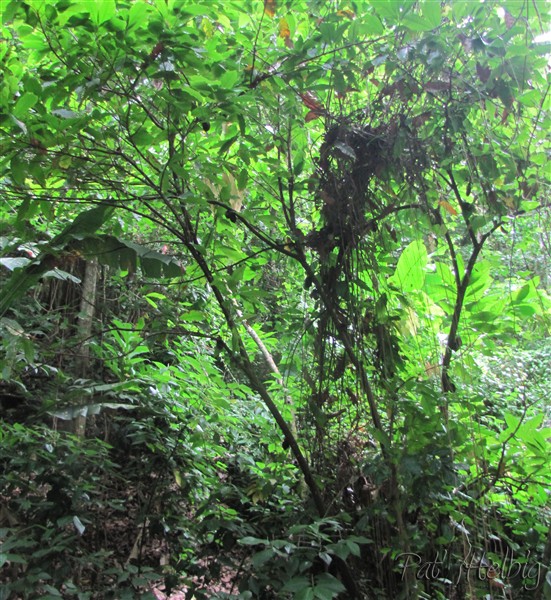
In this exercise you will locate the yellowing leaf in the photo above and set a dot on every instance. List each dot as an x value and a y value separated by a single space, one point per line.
448 207
236 195
284 31
65 162
509 203
349 14
270 7
207 28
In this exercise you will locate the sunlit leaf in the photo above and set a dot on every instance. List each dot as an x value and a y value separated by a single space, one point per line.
410 270
24 104
102 10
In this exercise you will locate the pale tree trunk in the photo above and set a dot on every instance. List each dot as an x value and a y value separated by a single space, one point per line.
84 324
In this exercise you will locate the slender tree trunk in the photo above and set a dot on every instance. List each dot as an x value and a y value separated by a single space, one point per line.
85 320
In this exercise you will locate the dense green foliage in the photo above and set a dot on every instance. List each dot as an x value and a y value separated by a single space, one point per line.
276 299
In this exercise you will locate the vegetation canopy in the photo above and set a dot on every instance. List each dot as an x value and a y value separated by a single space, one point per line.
275 302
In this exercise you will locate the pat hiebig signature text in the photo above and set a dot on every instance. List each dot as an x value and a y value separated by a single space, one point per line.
484 569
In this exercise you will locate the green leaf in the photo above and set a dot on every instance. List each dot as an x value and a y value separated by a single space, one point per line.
382 438
19 170
432 12
52 593
252 541
65 113
243 179
227 144
480 279
369 26
102 10
411 267
547 586
530 98
24 104
71 412
526 310
78 525
137 13
339 549
262 557
296 584
15 263
194 316
21 280
416 23
229 79
327 587
126 256
85 223
353 547
388 9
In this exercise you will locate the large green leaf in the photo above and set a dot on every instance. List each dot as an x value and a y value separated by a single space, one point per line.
85 223
128 256
411 268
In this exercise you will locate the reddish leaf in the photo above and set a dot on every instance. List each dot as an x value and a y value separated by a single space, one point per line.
494 581
509 19
466 42
421 119
37 145
312 114
401 87
448 207
270 7
483 72
156 51
388 90
436 86
311 102
328 200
